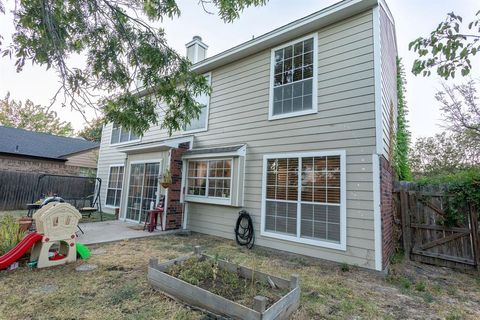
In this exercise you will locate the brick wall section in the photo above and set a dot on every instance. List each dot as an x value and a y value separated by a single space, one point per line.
387 212
174 207
24 164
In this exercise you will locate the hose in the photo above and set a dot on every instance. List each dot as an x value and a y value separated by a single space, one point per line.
244 233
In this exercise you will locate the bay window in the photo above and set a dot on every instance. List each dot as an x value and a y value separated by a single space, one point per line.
304 198
209 178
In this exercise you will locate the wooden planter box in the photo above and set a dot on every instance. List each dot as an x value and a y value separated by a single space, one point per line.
206 301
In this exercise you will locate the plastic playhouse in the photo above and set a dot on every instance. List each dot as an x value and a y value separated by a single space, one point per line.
54 243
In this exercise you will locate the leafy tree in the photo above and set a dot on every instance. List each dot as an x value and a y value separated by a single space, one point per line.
93 130
461 108
448 48
32 117
122 44
402 143
444 153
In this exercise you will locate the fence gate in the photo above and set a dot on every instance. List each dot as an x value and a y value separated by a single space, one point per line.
427 238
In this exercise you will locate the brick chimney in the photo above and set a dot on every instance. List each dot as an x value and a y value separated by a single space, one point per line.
196 50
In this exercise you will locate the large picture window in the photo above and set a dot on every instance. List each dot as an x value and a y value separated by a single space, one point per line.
304 198
294 75
120 135
114 188
209 178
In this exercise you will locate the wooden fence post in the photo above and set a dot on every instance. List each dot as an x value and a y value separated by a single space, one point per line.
472 212
406 231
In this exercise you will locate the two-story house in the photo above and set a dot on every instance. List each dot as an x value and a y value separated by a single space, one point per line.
297 131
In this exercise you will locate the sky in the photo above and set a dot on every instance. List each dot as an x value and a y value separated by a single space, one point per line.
413 18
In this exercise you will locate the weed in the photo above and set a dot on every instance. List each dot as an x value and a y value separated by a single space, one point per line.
427 297
421 286
398 257
125 293
345 267
404 282
455 315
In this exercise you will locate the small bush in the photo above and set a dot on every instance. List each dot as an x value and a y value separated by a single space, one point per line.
10 233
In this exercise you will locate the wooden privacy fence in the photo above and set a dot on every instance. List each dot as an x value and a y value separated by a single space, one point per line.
426 235
19 188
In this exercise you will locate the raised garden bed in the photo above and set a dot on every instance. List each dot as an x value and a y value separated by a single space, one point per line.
225 289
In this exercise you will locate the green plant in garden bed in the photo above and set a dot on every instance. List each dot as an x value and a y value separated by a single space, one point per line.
10 233
462 191
207 274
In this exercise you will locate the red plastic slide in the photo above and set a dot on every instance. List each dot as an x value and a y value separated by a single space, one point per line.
16 253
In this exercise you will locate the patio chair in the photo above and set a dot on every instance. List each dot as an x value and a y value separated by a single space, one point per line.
154 215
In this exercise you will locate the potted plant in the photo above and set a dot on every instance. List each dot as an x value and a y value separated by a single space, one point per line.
166 179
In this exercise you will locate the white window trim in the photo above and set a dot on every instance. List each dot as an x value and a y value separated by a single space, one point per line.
206 198
123 181
343 202
124 142
314 80
209 75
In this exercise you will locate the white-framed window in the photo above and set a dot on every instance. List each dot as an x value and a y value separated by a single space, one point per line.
293 78
121 135
201 123
114 187
303 198
209 180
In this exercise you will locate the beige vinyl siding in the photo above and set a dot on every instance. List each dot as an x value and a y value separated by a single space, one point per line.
85 159
107 156
346 120
388 47
239 114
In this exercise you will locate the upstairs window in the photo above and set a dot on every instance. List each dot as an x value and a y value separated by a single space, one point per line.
293 79
120 135
201 123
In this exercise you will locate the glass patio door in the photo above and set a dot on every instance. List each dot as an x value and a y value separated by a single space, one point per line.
142 190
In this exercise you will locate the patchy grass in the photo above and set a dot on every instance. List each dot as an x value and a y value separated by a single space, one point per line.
15 213
95 217
118 288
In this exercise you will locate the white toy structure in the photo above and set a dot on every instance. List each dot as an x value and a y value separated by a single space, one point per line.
57 222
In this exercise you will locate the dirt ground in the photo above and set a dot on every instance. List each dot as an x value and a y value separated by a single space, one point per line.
118 288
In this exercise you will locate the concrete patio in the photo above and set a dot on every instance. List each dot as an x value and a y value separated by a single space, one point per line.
114 230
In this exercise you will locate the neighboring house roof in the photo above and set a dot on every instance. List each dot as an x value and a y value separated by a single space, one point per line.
35 144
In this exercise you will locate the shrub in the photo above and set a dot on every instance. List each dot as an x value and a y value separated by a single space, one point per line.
10 233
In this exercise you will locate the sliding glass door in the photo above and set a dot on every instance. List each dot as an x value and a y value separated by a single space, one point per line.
142 189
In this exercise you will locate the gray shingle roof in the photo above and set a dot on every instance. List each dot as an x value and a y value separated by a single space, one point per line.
35 144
